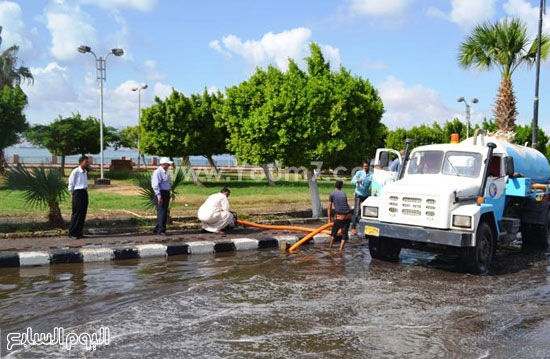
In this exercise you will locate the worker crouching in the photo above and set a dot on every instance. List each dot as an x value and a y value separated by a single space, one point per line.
215 215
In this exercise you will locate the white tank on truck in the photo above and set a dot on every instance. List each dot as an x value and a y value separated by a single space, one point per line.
468 197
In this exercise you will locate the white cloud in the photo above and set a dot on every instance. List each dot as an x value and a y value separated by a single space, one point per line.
212 90
375 66
215 44
528 13
121 102
332 54
407 106
377 7
51 84
11 19
162 90
152 72
142 5
273 48
69 27
467 13
120 38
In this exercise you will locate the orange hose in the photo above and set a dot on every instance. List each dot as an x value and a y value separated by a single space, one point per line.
269 226
309 236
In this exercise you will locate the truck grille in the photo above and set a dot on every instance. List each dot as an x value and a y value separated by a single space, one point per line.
412 207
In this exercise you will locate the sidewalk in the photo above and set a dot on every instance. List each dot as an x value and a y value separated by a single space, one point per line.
50 243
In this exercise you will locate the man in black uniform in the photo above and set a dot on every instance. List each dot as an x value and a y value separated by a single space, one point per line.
78 187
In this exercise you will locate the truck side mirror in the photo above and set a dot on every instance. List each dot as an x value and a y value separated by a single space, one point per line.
384 159
510 170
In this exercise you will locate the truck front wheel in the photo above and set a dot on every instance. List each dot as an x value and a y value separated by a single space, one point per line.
478 259
385 249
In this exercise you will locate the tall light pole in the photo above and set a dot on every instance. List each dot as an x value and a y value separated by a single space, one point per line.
101 76
138 89
468 112
534 141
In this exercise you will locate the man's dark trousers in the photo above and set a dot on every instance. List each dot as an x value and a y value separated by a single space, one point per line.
162 212
357 210
80 209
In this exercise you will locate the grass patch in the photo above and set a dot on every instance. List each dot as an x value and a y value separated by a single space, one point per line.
247 196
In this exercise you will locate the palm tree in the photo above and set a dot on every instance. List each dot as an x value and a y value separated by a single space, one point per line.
506 46
10 73
42 187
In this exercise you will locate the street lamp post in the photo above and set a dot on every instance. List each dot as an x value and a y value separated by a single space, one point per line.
138 89
101 76
468 112
534 141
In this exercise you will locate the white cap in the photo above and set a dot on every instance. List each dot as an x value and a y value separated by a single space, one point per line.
164 160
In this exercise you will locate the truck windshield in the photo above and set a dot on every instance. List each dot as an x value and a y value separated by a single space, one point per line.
466 164
426 162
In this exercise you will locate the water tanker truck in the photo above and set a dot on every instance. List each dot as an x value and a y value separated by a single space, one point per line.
468 197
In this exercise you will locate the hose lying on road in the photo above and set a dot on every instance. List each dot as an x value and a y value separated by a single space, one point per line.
269 226
309 236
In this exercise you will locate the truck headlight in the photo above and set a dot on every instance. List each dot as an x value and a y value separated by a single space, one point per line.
462 221
369 211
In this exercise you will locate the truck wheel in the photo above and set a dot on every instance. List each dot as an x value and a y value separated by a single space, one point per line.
478 259
538 237
385 249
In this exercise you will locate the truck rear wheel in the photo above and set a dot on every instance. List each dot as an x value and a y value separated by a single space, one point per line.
478 259
385 249
536 236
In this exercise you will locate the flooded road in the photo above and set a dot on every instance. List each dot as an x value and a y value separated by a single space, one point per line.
268 304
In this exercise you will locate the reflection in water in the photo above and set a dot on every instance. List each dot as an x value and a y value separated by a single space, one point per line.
265 304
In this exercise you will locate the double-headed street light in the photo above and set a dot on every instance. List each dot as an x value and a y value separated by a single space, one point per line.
101 76
468 112
138 89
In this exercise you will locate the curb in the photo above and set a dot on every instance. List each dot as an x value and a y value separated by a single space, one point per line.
106 254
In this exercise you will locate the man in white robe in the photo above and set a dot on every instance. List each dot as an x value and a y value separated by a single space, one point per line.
215 215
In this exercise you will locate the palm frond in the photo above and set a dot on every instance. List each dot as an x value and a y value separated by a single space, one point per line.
41 186
147 194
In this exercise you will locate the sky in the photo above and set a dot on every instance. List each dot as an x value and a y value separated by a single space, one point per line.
406 48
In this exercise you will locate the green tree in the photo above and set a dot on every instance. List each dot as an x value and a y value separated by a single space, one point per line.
524 136
12 119
10 73
506 46
249 112
304 118
169 128
42 187
71 136
129 137
209 135
489 125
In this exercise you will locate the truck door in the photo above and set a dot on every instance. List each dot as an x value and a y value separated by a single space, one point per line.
496 185
382 173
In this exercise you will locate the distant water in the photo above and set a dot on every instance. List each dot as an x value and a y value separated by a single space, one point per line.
42 155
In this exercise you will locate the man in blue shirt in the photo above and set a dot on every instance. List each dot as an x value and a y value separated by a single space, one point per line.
362 181
396 164
160 181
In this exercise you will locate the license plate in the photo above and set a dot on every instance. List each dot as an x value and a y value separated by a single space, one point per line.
372 231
